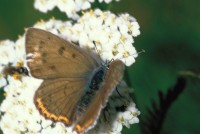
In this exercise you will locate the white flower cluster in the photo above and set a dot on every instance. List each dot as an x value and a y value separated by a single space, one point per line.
105 33
70 7
111 35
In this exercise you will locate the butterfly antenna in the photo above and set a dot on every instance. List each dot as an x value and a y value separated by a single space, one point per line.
95 46
141 51
98 52
111 60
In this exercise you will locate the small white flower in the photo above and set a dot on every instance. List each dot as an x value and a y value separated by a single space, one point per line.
9 124
117 127
131 115
7 52
45 5
3 81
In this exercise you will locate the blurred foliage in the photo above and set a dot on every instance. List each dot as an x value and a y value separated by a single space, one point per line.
170 34
153 122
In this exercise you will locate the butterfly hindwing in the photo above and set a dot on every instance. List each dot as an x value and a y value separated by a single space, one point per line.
57 99
112 78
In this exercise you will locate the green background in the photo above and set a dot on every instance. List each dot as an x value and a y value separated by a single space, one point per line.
170 34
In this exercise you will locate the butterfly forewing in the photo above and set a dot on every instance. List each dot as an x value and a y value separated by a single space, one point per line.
112 78
49 56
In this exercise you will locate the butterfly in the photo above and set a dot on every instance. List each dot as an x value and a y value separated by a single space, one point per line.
77 83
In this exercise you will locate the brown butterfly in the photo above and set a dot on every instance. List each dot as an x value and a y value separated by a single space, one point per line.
76 85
